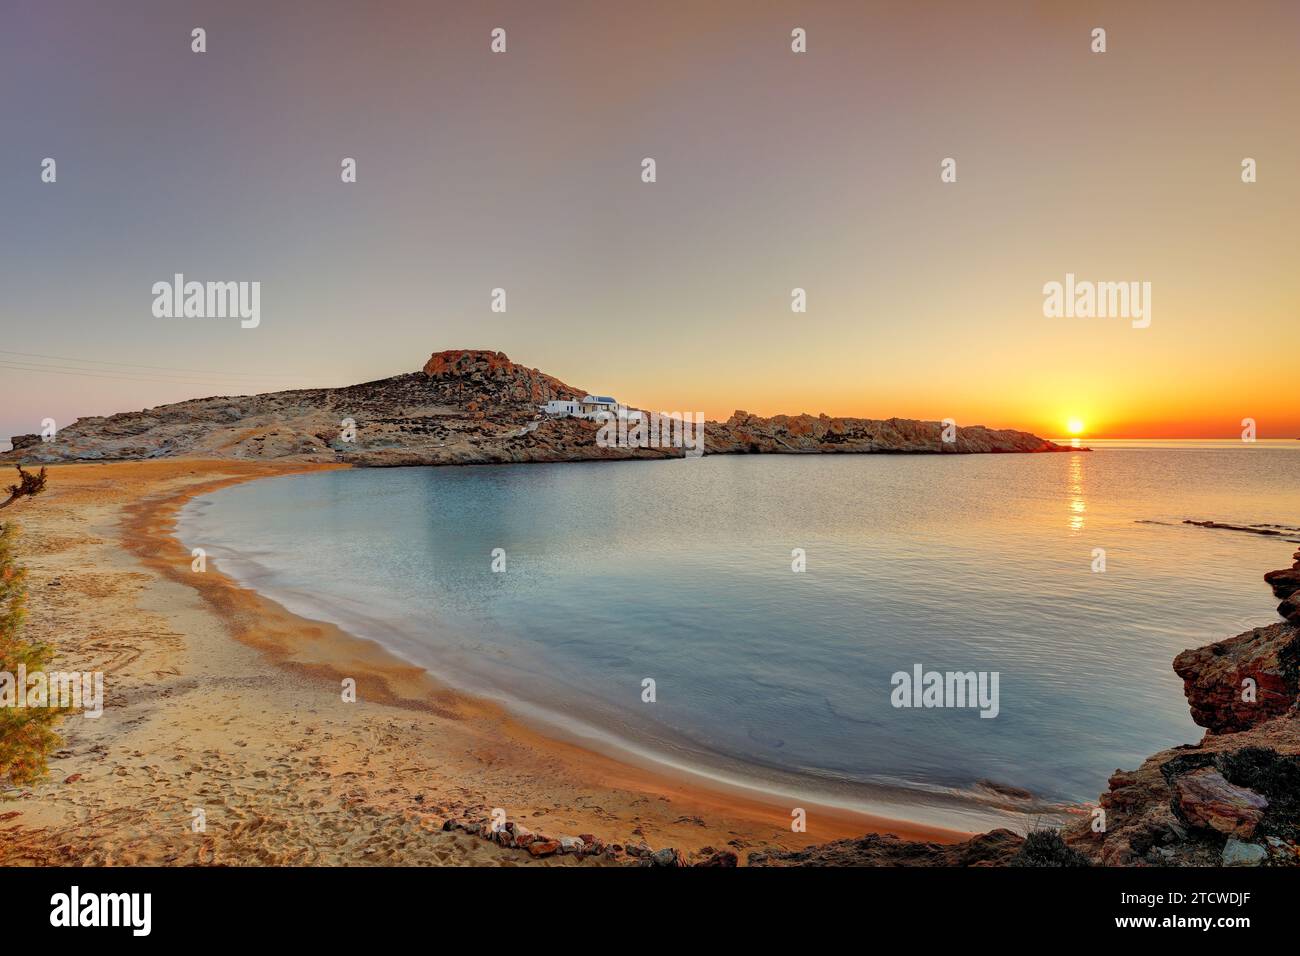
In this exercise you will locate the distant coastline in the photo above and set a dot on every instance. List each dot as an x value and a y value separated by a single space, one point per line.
468 406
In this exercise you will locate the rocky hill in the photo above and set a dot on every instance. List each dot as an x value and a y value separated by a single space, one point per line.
465 406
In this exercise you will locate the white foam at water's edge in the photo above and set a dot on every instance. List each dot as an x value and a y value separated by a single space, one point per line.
907 801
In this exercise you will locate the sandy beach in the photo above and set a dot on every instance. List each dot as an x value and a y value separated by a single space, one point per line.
219 699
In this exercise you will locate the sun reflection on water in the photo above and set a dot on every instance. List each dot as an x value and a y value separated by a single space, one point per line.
1077 505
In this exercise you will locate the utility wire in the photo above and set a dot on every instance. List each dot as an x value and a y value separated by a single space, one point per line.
159 368
90 373
142 376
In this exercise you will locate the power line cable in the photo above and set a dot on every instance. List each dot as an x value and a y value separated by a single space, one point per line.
106 374
160 368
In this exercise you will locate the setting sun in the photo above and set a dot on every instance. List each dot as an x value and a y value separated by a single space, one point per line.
1074 426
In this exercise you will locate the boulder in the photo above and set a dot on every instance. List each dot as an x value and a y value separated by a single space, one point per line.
1215 678
1237 853
720 858
1290 609
544 846
665 857
1286 585
1284 582
572 844
1204 799
520 835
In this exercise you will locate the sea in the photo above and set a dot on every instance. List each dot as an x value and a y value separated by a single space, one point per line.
750 619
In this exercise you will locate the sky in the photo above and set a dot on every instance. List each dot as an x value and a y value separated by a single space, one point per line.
775 170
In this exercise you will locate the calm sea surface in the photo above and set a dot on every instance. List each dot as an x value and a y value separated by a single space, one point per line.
680 571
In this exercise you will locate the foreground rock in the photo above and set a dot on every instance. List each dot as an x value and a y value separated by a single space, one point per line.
465 406
1217 676
1204 799
586 846
1286 585
1234 798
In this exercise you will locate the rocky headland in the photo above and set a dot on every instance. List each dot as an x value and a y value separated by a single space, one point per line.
465 406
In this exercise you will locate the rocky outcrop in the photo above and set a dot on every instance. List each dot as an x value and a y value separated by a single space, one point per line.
1284 531
1286 585
1290 609
1236 684
490 380
821 434
466 406
1233 685
1234 798
1204 799
1183 805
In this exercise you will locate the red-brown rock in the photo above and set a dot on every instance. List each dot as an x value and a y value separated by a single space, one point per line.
1204 799
720 858
1284 582
544 847
477 377
1214 678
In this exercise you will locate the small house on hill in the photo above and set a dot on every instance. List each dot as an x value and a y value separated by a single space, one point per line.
593 405
589 406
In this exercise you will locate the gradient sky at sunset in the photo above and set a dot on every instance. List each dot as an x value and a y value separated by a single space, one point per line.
775 170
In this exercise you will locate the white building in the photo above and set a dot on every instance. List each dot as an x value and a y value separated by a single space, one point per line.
561 408
590 406
594 405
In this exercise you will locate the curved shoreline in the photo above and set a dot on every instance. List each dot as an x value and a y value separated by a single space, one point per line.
323 651
953 809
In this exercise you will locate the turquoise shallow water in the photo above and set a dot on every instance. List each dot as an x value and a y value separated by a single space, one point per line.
680 571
